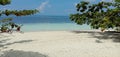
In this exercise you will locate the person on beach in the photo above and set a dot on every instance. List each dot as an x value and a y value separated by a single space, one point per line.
18 28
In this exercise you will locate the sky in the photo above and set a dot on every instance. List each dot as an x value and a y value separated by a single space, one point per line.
48 7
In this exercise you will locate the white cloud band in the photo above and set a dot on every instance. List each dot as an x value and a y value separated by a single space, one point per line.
43 5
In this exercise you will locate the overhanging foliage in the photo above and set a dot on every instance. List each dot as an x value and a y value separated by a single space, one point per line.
102 15
7 22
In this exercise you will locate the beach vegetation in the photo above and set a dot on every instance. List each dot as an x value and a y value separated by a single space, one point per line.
7 24
102 15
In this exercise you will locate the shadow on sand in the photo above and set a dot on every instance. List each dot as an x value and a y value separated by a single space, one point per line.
115 36
7 43
16 53
4 41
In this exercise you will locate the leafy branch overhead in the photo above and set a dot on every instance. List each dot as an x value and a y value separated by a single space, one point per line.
5 2
15 12
8 21
19 12
102 15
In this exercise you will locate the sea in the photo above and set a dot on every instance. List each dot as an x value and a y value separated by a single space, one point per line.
47 23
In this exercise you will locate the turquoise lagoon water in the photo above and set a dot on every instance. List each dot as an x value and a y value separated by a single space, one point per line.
54 27
48 23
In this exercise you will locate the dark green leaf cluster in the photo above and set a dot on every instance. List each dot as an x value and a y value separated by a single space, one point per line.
7 24
102 15
5 2
19 12
5 20
82 6
117 0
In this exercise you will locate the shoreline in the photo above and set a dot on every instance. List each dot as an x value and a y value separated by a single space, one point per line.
96 30
79 31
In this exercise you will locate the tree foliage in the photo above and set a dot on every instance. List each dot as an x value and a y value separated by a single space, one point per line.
117 0
19 12
102 15
6 23
5 2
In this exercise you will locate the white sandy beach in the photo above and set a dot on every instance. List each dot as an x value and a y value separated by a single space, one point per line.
62 44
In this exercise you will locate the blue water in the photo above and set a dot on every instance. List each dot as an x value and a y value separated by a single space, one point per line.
48 23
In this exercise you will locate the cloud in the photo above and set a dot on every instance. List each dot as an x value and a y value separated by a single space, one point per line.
75 4
42 5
